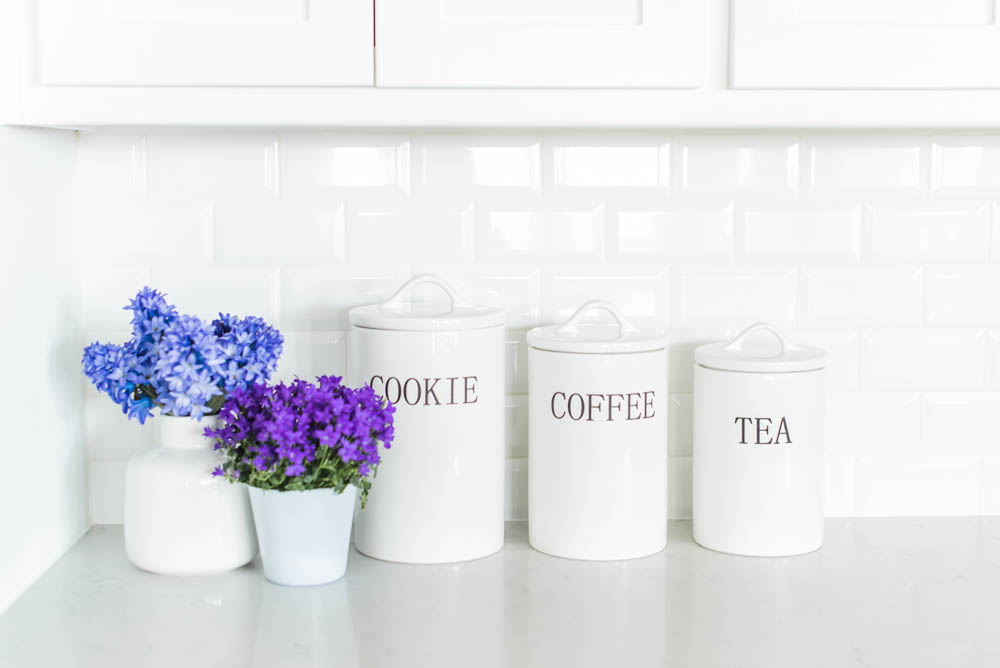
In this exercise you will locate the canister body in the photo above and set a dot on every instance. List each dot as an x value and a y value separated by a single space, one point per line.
438 495
758 461
597 454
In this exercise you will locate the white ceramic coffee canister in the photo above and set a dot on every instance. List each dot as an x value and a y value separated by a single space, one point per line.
438 495
179 519
759 434
597 457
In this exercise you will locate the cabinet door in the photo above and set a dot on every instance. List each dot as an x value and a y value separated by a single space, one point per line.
205 42
541 43
865 44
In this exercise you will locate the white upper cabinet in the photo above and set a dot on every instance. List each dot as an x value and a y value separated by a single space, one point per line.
865 44
205 42
541 43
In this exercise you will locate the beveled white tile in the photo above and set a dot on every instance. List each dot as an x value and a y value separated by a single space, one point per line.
279 232
861 295
438 233
516 361
965 296
516 489
843 347
801 231
989 503
344 164
516 410
677 233
145 232
993 360
498 162
839 496
318 298
517 290
681 344
931 359
745 163
107 490
105 291
849 163
307 355
621 160
111 435
873 424
933 486
679 506
964 423
549 234
681 425
212 164
207 291
942 231
966 163
111 163
732 297
641 292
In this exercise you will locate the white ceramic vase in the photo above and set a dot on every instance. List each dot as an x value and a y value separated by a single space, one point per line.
179 519
304 536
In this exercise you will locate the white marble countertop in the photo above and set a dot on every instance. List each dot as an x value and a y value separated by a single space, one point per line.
883 592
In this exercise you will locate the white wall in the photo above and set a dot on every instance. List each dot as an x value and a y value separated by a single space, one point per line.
43 493
884 248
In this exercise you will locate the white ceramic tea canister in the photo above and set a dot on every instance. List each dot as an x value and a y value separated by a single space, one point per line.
597 458
438 495
759 434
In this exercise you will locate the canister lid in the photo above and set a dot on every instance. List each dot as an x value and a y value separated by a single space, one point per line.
397 313
622 336
747 353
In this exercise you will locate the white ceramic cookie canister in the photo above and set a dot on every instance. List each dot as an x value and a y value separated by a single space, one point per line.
597 471
759 434
438 495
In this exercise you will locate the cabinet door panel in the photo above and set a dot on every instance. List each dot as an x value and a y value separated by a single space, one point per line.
541 43
205 42
865 44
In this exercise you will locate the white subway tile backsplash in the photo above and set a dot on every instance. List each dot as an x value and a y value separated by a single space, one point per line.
828 232
279 233
462 163
732 297
917 485
762 165
207 291
873 424
322 165
707 231
145 232
407 234
681 233
106 291
639 292
959 424
862 295
840 163
963 296
310 354
619 162
931 359
548 234
929 231
318 298
212 164
966 163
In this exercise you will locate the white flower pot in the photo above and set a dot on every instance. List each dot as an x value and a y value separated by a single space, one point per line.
179 519
304 536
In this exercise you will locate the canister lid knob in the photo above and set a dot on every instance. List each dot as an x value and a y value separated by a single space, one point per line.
746 352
